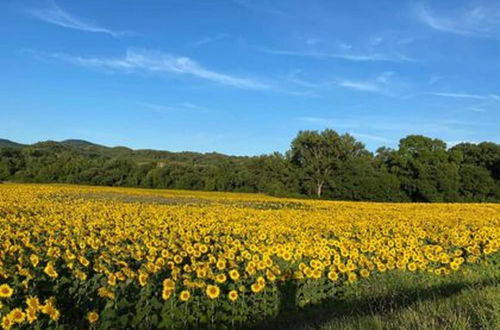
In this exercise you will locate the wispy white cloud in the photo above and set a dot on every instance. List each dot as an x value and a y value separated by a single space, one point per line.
477 102
378 84
492 97
458 95
479 20
57 16
371 57
160 62
364 86
210 39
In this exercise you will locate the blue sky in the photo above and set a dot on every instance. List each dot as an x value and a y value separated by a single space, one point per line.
243 77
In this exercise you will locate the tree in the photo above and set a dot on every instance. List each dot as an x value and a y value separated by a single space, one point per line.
360 179
427 171
273 174
319 154
476 184
484 154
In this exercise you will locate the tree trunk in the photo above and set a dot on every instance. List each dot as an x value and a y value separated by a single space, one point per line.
319 188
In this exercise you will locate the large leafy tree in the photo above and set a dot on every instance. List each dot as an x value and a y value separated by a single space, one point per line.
427 171
319 155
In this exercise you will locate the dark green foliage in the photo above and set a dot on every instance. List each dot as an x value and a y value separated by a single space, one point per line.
476 184
324 164
319 155
360 179
427 170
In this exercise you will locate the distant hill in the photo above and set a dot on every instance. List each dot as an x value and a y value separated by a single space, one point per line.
4 143
89 149
79 143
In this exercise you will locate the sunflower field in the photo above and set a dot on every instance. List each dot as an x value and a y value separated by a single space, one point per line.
109 258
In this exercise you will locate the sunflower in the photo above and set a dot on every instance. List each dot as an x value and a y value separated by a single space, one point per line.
6 322
33 302
201 272
50 270
213 291
54 314
112 280
177 259
143 279
234 275
166 293
270 275
84 261
17 315
333 276
364 273
105 293
185 295
232 295
34 260
221 264
256 287
6 291
92 317
342 268
220 278
31 315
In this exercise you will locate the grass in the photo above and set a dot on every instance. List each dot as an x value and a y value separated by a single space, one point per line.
468 299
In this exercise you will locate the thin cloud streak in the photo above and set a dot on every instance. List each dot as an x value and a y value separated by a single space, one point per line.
159 62
466 95
55 15
344 56
458 95
478 21
360 86
379 84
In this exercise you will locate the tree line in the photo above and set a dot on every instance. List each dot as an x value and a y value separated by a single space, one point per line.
323 164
